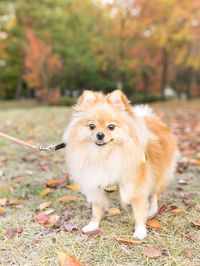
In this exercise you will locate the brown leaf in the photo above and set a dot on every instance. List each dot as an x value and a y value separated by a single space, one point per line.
2 212
53 219
44 205
94 232
153 223
127 240
67 198
162 209
114 211
67 260
196 223
19 179
73 187
14 202
176 210
10 233
42 218
54 183
152 252
44 192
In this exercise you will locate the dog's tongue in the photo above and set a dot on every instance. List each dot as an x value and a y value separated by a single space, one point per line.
99 142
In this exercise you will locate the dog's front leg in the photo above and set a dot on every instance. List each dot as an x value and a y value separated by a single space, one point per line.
99 203
97 212
140 207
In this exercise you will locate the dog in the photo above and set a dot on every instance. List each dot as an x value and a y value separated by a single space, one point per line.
111 142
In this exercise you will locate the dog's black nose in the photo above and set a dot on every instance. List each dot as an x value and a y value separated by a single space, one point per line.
100 135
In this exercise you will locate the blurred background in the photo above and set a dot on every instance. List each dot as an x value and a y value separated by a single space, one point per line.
51 50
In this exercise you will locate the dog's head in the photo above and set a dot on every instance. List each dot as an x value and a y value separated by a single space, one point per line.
102 120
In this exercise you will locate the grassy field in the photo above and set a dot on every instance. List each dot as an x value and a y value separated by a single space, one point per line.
23 174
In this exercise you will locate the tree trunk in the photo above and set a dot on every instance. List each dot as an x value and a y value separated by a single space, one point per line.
145 78
164 71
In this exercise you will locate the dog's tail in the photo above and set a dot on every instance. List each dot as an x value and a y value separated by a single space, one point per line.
143 110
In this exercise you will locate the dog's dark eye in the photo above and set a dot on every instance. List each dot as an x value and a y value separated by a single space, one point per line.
111 127
92 126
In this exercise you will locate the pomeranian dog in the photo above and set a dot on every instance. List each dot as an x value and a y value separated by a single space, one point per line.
110 142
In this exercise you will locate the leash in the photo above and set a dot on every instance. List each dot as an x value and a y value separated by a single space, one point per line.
37 148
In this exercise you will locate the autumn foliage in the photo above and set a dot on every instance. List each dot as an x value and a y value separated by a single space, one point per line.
42 66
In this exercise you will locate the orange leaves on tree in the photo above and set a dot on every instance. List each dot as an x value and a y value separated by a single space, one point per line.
42 65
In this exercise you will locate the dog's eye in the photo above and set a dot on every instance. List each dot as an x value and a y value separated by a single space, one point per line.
92 126
111 127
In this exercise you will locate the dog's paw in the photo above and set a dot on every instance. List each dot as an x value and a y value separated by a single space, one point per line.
90 227
140 232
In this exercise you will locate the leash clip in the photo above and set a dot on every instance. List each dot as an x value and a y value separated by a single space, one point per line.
50 148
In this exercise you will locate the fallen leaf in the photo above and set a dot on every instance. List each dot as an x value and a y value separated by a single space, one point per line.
70 227
42 218
127 240
29 172
114 211
189 254
66 260
196 223
66 214
176 210
44 205
10 233
49 211
14 202
19 179
19 229
162 209
73 187
152 252
94 232
54 183
2 212
153 223
3 201
5 188
53 219
44 192
110 189
67 198
182 182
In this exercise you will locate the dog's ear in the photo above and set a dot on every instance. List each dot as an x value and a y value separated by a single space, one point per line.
118 99
87 99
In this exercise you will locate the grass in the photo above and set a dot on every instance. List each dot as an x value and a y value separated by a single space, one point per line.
38 246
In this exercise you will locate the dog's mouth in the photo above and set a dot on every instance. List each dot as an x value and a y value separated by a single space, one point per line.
102 143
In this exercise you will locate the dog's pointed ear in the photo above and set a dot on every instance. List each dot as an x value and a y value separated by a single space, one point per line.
87 99
118 99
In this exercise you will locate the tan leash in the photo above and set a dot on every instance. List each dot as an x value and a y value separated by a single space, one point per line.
37 148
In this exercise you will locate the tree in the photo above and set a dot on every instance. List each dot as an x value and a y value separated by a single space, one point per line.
42 66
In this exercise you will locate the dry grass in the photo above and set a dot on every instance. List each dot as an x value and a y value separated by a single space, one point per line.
38 246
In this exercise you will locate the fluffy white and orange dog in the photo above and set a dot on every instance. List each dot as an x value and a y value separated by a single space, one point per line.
111 142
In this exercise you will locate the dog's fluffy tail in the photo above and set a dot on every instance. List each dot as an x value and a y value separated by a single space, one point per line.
143 110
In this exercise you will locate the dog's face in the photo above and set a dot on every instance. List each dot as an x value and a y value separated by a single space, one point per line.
102 121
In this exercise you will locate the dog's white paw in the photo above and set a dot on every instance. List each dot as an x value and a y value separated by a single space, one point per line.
90 227
140 232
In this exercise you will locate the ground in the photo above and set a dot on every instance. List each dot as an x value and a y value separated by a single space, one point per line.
25 241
